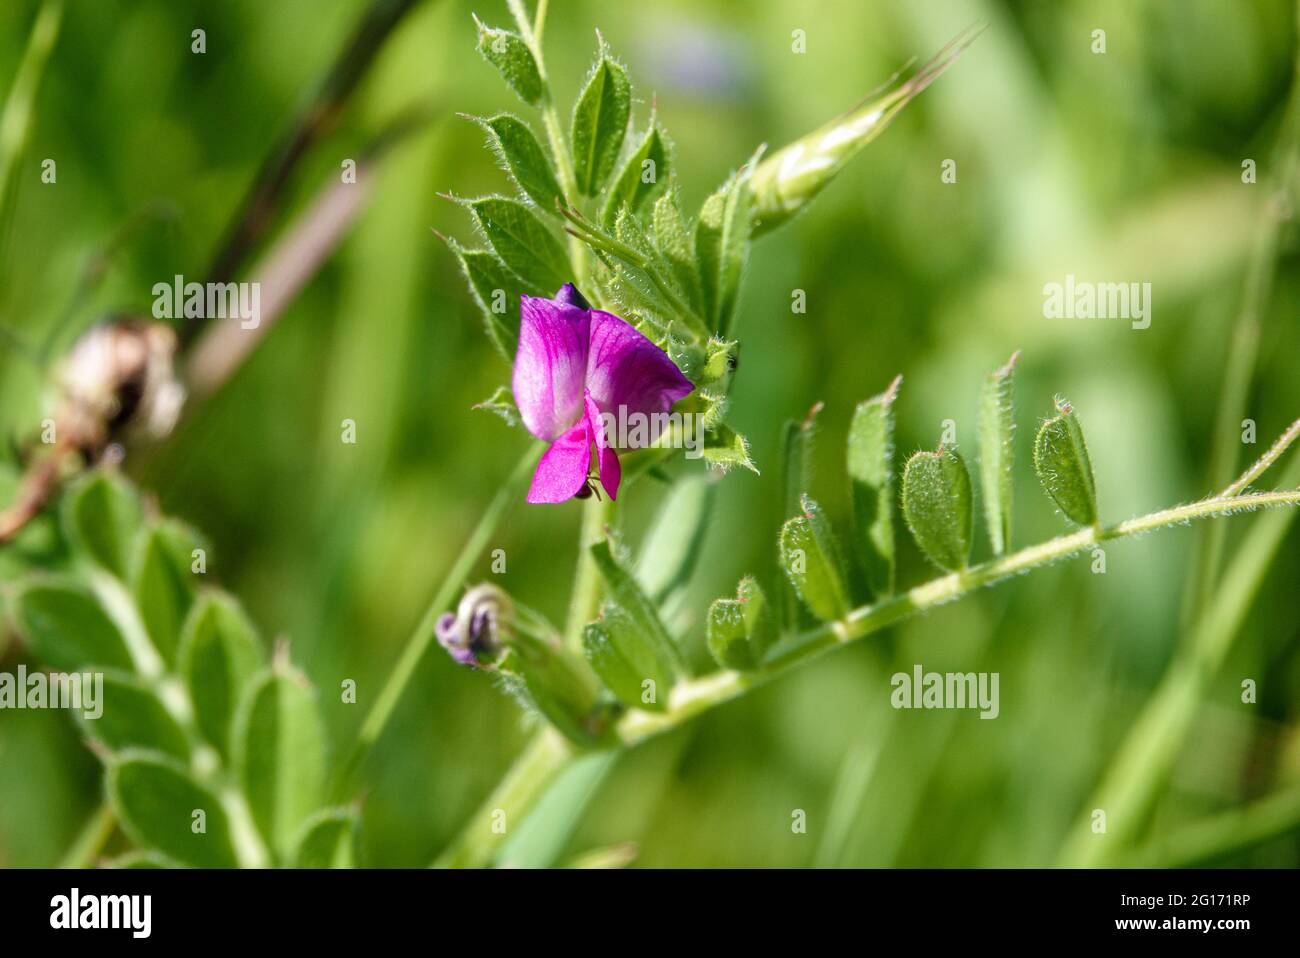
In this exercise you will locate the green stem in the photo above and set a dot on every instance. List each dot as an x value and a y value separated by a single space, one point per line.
584 603
532 34
540 764
382 711
1132 782
1244 346
16 121
696 696
537 766
92 838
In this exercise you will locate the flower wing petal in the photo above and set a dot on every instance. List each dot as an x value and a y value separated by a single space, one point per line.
563 468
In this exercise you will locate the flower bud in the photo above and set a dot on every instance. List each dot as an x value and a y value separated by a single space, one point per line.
788 179
472 635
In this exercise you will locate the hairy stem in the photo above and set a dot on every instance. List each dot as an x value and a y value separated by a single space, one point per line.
537 766
418 644
532 32
584 602
540 764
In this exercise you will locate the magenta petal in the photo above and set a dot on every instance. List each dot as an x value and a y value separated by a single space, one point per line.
611 472
626 369
550 365
563 469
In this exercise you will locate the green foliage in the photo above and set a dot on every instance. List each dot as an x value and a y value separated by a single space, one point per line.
163 583
1063 467
599 123
871 479
508 52
278 749
521 241
162 806
66 626
997 452
100 518
219 655
722 247
328 839
558 684
812 563
672 546
524 159
179 669
643 176
496 290
626 659
740 630
937 506
135 717
626 594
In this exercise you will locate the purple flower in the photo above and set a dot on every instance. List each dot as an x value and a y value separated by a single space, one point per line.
575 364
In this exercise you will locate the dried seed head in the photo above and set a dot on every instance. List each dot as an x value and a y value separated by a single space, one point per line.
119 377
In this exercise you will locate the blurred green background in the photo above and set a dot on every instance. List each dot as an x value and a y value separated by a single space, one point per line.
1117 167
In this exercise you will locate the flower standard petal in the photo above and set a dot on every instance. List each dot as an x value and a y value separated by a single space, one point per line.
550 365
627 374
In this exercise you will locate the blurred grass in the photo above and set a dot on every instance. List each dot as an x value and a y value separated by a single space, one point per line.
1124 166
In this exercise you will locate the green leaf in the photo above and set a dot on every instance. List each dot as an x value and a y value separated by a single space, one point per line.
599 124
724 448
328 839
812 563
508 52
101 515
163 583
722 246
651 281
133 716
672 547
156 800
673 240
740 630
937 506
557 683
871 477
997 452
796 479
524 159
623 591
522 241
219 654
497 292
279 753
1063 467
644 174
67 628
625 659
